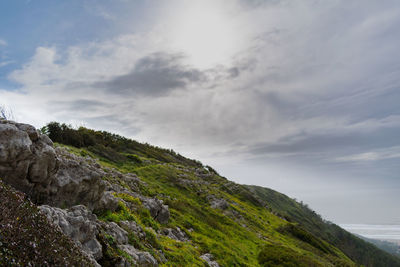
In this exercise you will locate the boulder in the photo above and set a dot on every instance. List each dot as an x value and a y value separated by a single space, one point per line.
118 234
140 258
78 180
108 202
158 210
209 259
79 224
175 233
134 228
28 160
217 203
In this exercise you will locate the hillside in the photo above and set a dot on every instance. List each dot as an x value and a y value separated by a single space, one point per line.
390 247
356 248
126 203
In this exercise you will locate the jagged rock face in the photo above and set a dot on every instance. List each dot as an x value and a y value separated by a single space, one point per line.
134 228
83 227
217 203
28 239
28 160
108 202
158 210
140 258
209 259
77 223
57 178
120 236
176 234
77 181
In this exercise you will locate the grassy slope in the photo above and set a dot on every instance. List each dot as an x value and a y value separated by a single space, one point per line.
250 232
235 236
356 248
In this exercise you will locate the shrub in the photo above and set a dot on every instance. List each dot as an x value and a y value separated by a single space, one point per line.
303 235
273 255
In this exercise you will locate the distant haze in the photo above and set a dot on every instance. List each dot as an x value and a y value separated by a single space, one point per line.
300 96
380 232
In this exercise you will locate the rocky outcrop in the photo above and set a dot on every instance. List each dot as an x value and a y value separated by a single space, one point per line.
78 180
158 210
108 202
120 237
140 258
175 233
27 238
209 259
217 203
79 224
28 160
134 228
57 178
83 227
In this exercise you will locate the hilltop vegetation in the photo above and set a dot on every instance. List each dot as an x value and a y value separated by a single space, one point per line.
112 147
156 207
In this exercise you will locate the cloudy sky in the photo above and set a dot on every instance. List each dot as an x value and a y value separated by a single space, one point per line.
299 96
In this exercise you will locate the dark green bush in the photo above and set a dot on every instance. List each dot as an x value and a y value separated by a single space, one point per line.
112 145
273 255
305 236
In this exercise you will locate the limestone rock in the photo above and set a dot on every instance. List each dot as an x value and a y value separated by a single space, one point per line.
108 202
29 162
120 235
27 159
176 234
133 227
158 210
77 181
30 130
217 203
209 259
79 224
140 258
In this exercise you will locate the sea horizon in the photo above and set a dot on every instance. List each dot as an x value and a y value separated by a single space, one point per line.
387 232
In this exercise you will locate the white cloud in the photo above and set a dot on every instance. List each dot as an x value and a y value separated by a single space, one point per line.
379 154
313 81
5 63
3 42
300 76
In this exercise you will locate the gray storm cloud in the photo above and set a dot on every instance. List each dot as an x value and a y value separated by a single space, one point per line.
154 75
316 91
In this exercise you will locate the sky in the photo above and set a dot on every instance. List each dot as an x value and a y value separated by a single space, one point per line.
298 96
382 232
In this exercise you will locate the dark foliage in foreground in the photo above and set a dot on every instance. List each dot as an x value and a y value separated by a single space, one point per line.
27 238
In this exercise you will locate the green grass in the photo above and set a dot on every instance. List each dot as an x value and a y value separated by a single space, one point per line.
257 229
341 241
232 241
